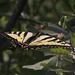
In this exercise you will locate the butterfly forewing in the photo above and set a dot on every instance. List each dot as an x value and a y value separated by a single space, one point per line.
20 36
16 37
52 42
27 36
39 38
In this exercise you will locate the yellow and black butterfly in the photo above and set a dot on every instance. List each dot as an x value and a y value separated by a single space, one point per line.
29 40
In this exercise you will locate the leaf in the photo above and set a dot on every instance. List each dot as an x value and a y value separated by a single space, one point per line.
61 70
41 65
2 19
62 22
68 59
55 28
67 12
73 5
73 38
5 56
59 51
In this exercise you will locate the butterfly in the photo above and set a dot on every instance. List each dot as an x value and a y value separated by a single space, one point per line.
29 40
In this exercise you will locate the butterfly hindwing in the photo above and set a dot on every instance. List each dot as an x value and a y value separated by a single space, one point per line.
9 38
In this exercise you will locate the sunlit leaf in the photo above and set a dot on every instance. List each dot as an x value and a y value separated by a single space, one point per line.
67 12
73 38
62 22
41 65
61 70
5 56
59 51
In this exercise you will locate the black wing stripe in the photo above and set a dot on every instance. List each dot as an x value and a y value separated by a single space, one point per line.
19 33
35 36
25 34
15 33
59 41
52 40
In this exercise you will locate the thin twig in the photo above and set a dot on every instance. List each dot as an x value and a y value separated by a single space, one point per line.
29 19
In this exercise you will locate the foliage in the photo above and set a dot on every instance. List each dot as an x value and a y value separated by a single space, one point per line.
73 38
55 61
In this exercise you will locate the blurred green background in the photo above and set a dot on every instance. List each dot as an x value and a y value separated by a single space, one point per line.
42 10
19 62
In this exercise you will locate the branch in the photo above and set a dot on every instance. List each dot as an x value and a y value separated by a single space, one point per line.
16 13
32 20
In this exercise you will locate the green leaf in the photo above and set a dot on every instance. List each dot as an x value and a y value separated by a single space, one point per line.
42 64
2 19
5 56
73 38
73 5
68 59
17 69
61 70
67 12
52 61
62 22
59 51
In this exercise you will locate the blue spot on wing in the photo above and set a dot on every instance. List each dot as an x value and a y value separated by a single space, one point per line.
20 44
27 46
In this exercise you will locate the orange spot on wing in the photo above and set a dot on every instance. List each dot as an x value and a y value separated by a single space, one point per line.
22 45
